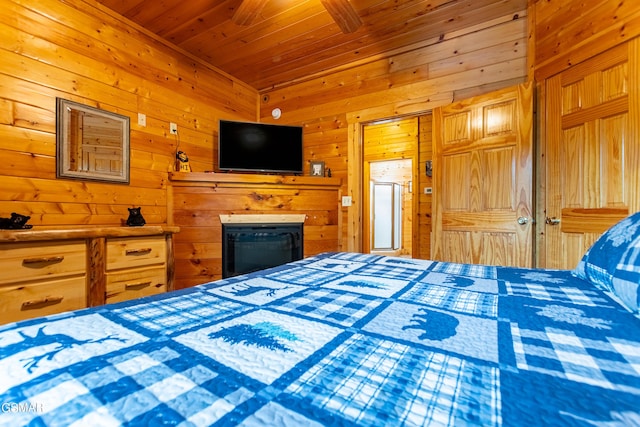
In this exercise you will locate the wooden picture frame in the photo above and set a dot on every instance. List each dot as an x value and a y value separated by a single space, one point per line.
316 168
92 144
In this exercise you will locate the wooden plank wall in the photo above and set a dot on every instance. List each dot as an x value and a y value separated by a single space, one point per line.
453 66
570 31
565 33
81 51
425 211
200 199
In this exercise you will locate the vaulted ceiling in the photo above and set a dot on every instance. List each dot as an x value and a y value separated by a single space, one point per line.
291 40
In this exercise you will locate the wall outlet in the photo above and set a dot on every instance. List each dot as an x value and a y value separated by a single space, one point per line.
346 201
428 190
173 128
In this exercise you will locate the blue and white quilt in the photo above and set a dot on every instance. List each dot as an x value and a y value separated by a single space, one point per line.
338 339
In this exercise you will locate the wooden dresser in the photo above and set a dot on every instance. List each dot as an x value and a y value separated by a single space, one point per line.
47 271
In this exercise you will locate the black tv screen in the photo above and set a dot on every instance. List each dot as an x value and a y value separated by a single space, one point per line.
259 147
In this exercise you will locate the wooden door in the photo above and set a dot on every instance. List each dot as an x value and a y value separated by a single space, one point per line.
390 153
592 151
482 177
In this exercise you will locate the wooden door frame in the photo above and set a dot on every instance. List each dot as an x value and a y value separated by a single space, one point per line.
539 176
355 121
366 200
355 185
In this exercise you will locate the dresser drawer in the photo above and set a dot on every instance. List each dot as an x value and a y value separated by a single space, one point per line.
19 302
130 284
21 262
135 252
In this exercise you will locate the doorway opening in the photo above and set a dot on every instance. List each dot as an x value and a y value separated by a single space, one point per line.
390 207
389 172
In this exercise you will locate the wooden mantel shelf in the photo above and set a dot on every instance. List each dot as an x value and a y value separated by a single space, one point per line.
41 233
193 178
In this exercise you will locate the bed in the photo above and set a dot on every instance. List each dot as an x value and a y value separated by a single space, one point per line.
346 339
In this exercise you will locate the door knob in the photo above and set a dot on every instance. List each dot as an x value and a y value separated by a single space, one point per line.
523 220
552 221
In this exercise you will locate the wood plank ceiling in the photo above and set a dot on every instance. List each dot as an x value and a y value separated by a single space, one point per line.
291 40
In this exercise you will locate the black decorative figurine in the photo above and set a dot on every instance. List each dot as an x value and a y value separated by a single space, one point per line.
135 218
16 222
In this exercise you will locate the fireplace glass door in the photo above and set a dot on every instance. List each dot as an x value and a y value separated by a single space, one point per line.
253 247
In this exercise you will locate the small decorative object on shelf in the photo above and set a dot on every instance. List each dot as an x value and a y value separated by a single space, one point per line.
182 162
16 222
316 168
135 217
328 172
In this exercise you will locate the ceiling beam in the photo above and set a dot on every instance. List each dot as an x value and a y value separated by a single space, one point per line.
344 14
248 11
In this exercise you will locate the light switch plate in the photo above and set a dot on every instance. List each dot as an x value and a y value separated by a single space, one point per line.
346 201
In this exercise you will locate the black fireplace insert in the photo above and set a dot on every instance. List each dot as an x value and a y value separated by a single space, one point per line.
252 247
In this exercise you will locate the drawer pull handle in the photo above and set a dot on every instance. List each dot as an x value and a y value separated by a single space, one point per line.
138 285
43 260
137 251
48 300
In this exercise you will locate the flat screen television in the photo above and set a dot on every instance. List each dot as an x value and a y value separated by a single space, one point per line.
259 147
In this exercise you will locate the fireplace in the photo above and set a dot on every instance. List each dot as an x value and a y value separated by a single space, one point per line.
251 247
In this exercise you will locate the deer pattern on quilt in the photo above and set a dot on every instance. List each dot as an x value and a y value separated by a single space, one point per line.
243 290
41 339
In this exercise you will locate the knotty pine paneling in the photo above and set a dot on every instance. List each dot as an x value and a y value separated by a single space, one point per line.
425 138
79 50
570 31
82 51
569 37
456 65
198 200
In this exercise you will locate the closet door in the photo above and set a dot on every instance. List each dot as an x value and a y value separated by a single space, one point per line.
592 152
482 176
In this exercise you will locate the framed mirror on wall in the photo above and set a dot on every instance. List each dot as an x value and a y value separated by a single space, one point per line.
92 144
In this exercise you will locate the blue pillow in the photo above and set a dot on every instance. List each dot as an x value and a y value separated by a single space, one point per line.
613 262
